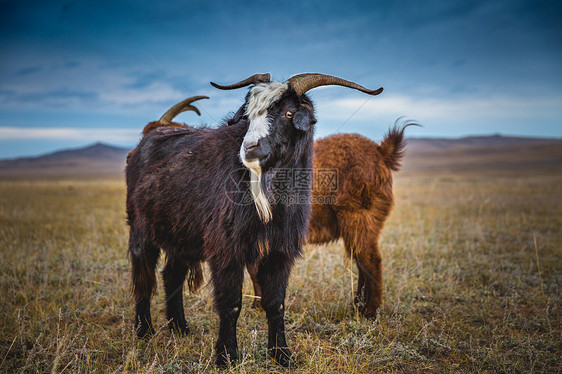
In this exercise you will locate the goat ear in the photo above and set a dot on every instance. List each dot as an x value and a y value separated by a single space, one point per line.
302 119
238 116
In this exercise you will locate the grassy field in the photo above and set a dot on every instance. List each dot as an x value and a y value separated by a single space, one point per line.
472 265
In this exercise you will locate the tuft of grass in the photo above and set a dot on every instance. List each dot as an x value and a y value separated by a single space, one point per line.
472 269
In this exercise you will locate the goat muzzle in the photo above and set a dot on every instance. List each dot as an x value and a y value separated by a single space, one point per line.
256 149
249 146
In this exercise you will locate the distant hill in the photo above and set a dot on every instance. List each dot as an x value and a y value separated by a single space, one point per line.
478 153
426 144
96 159
484 153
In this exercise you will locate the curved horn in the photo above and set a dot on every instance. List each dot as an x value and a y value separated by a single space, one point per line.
302 83
254 79
182 106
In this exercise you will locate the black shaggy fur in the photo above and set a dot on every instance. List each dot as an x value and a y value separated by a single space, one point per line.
188 195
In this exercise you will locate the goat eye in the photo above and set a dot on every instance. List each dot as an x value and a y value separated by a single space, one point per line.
289 114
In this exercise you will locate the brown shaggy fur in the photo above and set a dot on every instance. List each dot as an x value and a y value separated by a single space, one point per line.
364 200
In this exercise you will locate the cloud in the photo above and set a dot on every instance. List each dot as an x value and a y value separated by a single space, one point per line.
87 86
66 65
440 108
72 134
29 70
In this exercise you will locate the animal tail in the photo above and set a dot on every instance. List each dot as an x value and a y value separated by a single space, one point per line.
393 146
194 276
156 124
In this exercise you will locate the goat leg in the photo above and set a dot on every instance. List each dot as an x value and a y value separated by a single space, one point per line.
359 299
143 320
370 268
144 257
174 277
227 284
253 271
273 275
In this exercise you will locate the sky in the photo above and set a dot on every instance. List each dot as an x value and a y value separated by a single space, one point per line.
76 72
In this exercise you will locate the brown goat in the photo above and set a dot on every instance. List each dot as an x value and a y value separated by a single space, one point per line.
363 202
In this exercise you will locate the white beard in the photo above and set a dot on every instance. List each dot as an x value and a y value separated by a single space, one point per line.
261 97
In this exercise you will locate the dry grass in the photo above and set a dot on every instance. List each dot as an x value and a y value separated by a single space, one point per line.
472 268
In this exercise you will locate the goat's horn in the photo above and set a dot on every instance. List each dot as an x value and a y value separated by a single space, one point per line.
254 79
182 106
302 83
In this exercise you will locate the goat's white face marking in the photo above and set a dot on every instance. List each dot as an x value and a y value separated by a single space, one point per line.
262 96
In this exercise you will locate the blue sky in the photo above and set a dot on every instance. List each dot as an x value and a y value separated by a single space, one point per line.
76 72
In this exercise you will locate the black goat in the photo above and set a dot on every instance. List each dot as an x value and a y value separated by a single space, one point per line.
187 194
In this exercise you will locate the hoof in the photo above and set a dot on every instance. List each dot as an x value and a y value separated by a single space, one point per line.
283 357
179 327
359 299
145 331
369 313
225 358
257 304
